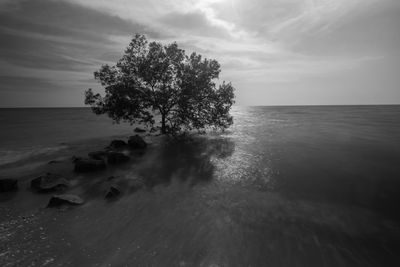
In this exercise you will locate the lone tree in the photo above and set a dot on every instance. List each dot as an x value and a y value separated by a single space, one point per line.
154 80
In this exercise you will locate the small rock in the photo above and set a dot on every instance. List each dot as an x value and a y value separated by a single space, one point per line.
99 155
7 185
58 200
54 161
110 178
116 158
117 144
112 192
139 130
75 159
137 142
49 182
89 165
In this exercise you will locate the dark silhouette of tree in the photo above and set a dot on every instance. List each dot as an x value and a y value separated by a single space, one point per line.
154 80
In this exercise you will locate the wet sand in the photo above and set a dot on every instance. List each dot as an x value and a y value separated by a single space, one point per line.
185 215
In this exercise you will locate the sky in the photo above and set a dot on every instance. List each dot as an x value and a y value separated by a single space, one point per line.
275 52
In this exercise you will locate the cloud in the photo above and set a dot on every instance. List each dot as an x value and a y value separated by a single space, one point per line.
366 31
49 44
258 42
12 83
192 23
48 16
60 35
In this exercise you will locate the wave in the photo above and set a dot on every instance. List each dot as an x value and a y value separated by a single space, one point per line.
13 156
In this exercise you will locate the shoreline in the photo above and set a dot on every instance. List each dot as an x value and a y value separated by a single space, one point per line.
184 215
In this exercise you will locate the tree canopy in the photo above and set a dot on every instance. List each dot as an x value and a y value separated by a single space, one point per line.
153 80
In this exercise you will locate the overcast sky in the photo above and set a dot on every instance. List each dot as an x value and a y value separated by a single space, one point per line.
275 52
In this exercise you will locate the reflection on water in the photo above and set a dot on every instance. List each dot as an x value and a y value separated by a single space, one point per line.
285 186
335 154
189 161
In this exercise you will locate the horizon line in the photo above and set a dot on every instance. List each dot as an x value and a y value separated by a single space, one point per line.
283 105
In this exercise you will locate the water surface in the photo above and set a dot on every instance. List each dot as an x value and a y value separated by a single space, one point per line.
285 186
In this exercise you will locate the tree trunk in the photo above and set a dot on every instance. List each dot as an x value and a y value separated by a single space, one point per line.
163 128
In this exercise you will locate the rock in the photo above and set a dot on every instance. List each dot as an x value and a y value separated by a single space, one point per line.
112 192
99 155
139 130
58 200
7 185
89 165
75 159
118 144
110 178
116 158
54 161
136 142
49 182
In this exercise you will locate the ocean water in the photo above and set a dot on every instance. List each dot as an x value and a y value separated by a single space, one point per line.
336 153
28 132
346 154
284 186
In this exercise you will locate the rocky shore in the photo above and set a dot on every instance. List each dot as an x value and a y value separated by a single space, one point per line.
115 202
118 152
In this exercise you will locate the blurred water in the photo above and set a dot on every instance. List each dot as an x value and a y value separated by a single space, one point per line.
348 154
284 186
28 132
335 153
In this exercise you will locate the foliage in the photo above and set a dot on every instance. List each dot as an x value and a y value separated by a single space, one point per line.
154 79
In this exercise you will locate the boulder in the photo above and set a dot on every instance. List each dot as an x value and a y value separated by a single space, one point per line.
49 182
139 130
7 185
99 155
116 158
65 199
136 142
75 159
110 178
89 165
112 192
117 144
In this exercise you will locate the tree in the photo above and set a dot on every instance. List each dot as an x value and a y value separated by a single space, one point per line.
152 79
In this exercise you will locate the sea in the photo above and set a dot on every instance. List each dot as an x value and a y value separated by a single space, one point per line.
284 185
26 132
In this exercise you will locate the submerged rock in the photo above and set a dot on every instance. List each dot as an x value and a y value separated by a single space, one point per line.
49 182
99 155
139 130
112 192
89 165
65 199
7 185
116 158
110 178
75 159
117 144
136 142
